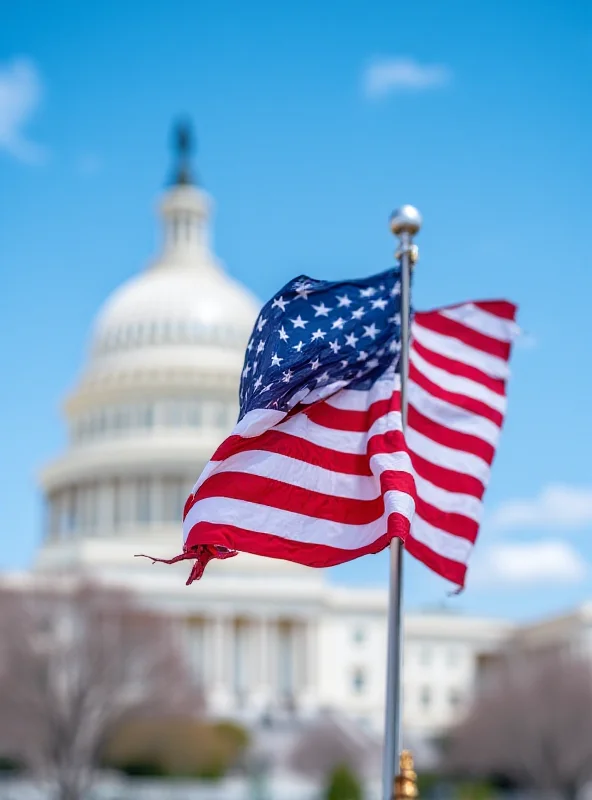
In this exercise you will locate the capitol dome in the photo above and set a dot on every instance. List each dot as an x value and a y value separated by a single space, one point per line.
157 395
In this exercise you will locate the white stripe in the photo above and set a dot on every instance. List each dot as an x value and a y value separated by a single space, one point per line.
452 417
442 456
342 441
356 400
293 472
505 330
322 392
457 384
257 421
459 351
441 542
449 502
292 526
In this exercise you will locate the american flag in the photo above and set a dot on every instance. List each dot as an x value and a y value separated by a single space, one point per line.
317 469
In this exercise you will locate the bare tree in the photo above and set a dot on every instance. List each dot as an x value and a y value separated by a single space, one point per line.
75 663
331 742
531 723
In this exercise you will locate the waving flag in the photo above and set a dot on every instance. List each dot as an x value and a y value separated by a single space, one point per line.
317 469
456 405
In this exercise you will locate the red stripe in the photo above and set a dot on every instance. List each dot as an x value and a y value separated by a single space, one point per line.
464 442
438 323
287 497
499 308
347 420
452 571
447 479
456 524
264 544
295 447
477 407
459 368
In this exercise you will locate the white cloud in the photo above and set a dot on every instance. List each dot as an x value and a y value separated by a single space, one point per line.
20 95
557 506
385 76
549 561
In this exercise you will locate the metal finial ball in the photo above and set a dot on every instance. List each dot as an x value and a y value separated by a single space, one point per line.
406 219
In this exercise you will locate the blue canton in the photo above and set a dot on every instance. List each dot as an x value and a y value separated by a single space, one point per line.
315 333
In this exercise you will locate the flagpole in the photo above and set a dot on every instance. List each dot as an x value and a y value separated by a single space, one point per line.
404 223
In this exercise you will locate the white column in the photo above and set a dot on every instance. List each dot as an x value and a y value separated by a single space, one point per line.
157 490
105 501
308 692
221 697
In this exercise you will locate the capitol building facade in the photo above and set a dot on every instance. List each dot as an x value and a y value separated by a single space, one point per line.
157 395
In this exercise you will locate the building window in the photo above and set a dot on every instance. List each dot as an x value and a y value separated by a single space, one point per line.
425 697
146 416
194 414
174 413
359 635
453 656
425 656
174 499
117 504
221 415
143 504
359 680
454 698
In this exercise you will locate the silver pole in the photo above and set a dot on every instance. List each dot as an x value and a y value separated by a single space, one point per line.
405 223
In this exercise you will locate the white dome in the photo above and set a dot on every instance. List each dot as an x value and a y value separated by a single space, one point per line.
184 310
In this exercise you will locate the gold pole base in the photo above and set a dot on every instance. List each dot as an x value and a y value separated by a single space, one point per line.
405 786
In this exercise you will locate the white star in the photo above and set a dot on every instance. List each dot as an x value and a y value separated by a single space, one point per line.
323 378
381 303
298 347
260 323
260 347
246 371
267 388
283 334
351 339
344 363
339 323
299 322
394 346
396 289
343 301
315 364
255 366
258 382
371 330
372 364
318 334
250 345
287 376
382 287
395 319
322 310
363 355
335 346
276 360
359 313
279 302
303 289
380 352
369 292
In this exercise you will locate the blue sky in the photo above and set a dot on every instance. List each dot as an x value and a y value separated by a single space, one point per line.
314 120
